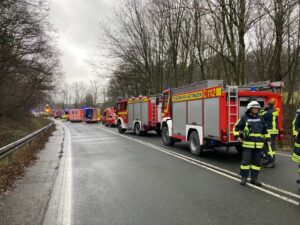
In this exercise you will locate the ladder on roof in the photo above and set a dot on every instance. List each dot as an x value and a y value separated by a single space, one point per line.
233 106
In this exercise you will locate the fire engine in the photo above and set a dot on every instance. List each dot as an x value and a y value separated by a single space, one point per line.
109 117
204 113
76 115
90 115
140 114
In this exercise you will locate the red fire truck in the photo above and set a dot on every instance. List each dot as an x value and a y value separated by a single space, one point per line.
140 114
109 117
205 113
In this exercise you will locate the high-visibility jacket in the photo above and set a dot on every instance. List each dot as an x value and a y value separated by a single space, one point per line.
253 131
296 130
270 116
296 124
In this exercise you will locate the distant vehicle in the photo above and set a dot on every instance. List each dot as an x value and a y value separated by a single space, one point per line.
139 114
58 113
47 112
204 113
90 115
76 115
109 117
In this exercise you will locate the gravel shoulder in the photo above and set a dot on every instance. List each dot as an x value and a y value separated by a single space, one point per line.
27 202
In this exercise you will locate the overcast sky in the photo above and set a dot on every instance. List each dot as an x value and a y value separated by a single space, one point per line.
77 23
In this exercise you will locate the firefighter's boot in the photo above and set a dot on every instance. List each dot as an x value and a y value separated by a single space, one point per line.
243 180
256 182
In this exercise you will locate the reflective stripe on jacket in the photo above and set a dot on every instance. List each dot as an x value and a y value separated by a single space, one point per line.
270 116
253 131
296 124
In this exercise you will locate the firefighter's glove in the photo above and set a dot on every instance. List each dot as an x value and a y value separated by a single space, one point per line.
241 134
240 140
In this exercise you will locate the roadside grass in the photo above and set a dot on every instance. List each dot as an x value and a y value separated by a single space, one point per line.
13 167
14 129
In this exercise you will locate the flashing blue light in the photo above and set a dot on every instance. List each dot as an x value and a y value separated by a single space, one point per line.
253 88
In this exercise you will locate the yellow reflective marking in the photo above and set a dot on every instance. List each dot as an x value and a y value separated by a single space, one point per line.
253 167
201 94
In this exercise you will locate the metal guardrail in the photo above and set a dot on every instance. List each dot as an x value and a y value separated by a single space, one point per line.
6 150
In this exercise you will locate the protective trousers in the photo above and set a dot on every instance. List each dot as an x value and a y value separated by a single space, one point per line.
296 153
251 161
270 150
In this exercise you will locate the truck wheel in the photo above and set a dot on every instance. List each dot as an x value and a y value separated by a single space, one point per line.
168 141
137 129
120 129
194 144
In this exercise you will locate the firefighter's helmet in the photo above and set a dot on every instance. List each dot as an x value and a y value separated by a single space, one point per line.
271 102
253 104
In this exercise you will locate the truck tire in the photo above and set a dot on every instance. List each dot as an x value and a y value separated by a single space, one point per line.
194 144
120 129
137 129
168 141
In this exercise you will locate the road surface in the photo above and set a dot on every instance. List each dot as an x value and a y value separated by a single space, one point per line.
107 178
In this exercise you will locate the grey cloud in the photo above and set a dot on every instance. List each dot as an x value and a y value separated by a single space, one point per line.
77 22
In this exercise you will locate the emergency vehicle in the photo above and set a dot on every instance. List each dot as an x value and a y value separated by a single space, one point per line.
47 111
58 113
90 115
76 115
204 113
109 116
140 114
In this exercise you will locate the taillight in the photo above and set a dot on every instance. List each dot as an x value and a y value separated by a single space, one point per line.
280 135
224 136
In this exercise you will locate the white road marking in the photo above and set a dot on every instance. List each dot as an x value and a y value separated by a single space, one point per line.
283 154
67 204
215 169
99 139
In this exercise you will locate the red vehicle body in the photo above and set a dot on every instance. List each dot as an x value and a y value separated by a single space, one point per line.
140 114
76 115
109 117
90 115
209 110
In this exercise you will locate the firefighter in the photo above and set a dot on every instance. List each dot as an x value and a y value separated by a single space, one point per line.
270 115
251 131
296 133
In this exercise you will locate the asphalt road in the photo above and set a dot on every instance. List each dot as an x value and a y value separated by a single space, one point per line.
107 178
